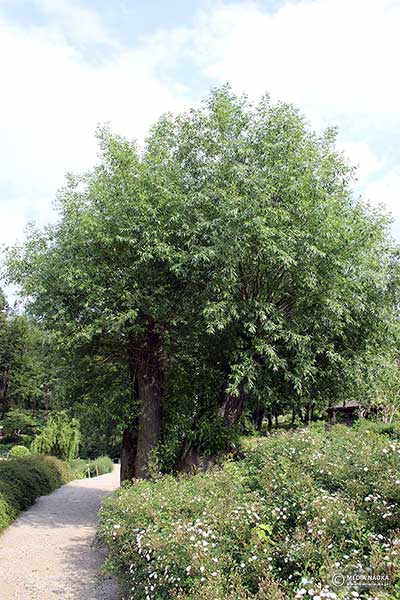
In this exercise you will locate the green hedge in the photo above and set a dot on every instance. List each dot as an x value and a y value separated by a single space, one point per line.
82 468
23 479
275 525
390 429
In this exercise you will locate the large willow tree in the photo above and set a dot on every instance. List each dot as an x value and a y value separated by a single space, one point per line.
227 260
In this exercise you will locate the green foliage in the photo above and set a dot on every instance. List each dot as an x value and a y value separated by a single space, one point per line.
19 451
9 507
23 479
60 469
390 429
299 507
90 468
4 450
233 241
60 437
24 371
80 468
103 465
18 423
212 435
99 411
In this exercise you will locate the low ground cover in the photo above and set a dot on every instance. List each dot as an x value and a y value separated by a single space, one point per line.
299 508
23 479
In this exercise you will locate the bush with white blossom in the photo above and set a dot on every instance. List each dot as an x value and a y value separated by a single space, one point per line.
276 525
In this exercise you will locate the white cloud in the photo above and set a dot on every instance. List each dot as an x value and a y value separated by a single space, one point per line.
81 22
327 55
52 101
335 59
361 156
386 191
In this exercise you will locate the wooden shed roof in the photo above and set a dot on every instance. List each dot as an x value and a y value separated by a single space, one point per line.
349 405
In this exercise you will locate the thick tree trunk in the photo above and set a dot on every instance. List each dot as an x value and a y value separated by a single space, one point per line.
148 385
128 453
142 437
149 424
300 413
4 399
232 407
269 417
193 458
258 417
276 421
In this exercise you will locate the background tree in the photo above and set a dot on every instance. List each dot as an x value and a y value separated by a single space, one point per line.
24 376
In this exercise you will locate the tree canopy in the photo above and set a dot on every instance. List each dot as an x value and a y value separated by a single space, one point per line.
224 267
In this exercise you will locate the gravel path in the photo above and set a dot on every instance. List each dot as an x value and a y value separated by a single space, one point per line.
48 553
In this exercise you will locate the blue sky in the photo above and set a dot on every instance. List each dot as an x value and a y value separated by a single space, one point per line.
67 65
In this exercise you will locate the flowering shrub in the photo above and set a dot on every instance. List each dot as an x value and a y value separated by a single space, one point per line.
277 525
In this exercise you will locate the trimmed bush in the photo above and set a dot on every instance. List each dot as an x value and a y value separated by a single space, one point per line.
275 525
19 451
8 504
23 479
61 472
